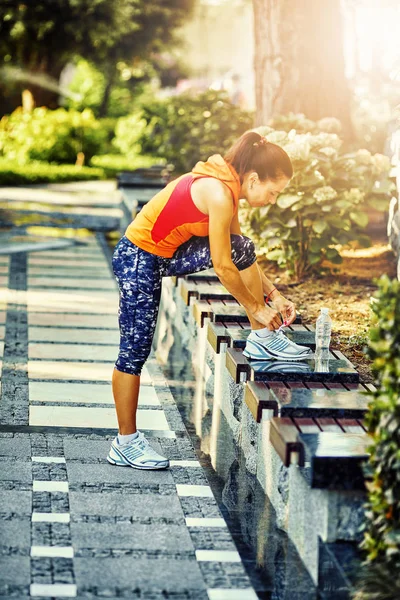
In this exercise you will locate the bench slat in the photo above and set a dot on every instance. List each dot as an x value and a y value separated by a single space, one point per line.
328 424
258 397
201 311
217 335
306 425
350 426
283 437
237 365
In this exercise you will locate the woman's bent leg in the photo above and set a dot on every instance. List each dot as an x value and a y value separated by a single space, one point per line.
195 255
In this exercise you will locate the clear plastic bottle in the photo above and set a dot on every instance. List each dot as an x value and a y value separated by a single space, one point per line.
323 331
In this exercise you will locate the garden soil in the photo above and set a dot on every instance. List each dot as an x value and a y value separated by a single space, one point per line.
346 291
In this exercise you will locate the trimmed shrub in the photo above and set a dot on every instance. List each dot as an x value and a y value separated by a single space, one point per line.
112 164
38 172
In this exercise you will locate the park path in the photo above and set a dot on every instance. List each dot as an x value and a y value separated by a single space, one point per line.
71 525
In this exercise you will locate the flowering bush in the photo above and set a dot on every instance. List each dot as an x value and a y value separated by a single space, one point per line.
324 204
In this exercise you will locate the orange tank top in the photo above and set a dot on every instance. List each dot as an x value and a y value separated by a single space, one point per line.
171 218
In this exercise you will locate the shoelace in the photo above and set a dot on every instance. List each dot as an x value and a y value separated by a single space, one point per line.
145 445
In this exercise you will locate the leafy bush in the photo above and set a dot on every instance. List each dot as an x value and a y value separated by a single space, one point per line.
184 129
382 533
12 173
324 204
128 132
51 135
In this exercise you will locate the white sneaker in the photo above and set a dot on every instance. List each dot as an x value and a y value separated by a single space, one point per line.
275 345
137 454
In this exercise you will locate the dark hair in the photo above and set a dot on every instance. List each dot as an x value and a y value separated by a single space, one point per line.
252 152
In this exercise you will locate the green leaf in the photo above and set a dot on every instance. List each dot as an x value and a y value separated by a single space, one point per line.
332 254
313 258
335 221
319 226
287 200
364 241
359 218
316 245
275 254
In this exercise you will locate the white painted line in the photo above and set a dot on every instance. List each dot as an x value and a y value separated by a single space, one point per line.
203 491
74 416
205 522
52 551
184 463
51 590
218 556
232 594
49 459
43 517
50 486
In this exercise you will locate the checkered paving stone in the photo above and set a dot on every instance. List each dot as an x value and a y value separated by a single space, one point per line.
71 525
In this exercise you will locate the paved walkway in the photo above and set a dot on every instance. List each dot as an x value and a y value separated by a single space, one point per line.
71 525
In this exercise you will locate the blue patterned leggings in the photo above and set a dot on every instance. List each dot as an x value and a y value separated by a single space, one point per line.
139 275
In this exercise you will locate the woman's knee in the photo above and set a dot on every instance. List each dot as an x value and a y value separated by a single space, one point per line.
127 365
243 251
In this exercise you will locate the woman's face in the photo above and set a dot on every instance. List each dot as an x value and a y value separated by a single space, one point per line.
261 193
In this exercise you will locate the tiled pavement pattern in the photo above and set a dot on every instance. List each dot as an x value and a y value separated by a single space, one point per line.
71 525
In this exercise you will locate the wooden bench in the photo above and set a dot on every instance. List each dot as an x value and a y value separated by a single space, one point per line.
207 290
333 449
206 276
143 178
297 399
338 369
226 311
235 334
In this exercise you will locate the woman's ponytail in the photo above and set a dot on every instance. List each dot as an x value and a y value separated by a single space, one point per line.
253 152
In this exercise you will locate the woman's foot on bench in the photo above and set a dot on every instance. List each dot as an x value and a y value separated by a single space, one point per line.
275 345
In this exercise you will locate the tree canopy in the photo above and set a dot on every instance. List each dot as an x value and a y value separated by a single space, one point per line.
41 37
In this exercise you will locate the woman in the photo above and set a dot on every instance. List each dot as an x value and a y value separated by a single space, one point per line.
192 225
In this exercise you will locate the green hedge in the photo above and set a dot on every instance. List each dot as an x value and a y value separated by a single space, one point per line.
38 172
380 574
112 164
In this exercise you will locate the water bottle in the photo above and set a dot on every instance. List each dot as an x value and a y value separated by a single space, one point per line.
323 332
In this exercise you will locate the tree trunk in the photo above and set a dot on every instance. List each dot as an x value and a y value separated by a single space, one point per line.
110 77
299 61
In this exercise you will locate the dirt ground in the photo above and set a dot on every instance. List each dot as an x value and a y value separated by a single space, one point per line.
346 292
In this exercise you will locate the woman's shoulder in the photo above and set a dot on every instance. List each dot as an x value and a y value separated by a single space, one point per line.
212 185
